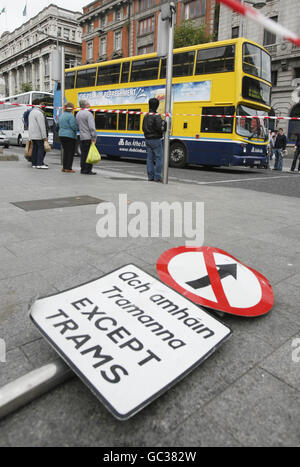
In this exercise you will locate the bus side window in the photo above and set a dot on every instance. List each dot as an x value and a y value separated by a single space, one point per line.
142 70
125 72
183 65
86 78
69 80
215 60
108 74
122 121
217 124
105 121
134 121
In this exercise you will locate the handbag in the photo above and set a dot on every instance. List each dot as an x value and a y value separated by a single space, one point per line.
47 147
28 149
93 156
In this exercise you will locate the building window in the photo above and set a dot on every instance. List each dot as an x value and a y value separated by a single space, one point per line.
103 21
46 65
103 46
118 40
194 9
235 32
297 72
66 34
146 25
90 50
90 27
73 35
59 31
274 77
270 37
144 5
118 14
147 49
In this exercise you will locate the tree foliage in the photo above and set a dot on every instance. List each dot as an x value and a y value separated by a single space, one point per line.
188 34
26 87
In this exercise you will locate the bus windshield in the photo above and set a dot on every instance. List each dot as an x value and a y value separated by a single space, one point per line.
252 127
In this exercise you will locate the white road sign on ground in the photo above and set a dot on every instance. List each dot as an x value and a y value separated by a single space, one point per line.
127 336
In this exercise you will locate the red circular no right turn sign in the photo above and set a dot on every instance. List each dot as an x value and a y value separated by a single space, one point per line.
213 278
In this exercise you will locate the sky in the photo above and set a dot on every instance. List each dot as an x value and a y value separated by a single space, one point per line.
13 18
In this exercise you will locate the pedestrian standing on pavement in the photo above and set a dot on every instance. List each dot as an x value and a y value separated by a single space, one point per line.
296 155
38 135
272 139
280 145
88 135
153 128
68 135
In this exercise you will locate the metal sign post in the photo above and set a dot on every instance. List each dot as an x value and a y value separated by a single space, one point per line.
169 15
62 89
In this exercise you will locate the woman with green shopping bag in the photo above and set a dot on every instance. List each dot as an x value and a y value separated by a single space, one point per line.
88 135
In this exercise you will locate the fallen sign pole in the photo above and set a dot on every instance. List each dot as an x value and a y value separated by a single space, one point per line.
25 389
267 23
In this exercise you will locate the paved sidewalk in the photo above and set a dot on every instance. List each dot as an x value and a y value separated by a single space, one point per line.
246 394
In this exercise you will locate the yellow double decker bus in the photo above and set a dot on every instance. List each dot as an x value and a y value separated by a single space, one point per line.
221 93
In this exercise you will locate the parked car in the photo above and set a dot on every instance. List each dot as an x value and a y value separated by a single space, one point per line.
4 141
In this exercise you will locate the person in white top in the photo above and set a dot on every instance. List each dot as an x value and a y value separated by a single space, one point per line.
38 135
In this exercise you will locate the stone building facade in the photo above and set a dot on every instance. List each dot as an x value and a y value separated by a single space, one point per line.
121 28
26 53
285 56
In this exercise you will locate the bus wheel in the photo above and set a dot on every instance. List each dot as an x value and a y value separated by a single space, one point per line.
178 156
20 140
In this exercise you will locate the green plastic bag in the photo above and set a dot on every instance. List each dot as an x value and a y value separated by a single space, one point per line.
93 156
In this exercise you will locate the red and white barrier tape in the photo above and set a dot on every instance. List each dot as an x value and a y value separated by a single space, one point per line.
267 23
135 112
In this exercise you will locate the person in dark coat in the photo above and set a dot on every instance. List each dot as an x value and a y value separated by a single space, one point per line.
153 128
280 145
296 155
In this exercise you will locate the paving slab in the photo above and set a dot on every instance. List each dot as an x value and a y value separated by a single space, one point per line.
258 410
17 364
284 363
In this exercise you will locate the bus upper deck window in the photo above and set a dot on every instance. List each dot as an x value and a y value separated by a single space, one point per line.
125 72
86 78
143 70
109 74
183 65
252 60
70 80
215 60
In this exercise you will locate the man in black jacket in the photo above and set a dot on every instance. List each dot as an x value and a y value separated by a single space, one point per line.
280 145
153 128
296 155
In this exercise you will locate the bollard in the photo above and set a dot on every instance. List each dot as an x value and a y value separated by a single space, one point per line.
32 385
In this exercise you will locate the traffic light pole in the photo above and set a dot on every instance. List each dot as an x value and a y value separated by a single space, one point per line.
168 97
62 91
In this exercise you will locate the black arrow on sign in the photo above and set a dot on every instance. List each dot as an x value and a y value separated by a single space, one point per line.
224 270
